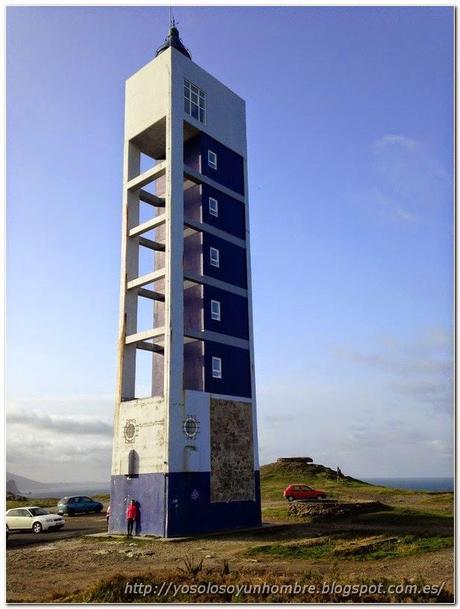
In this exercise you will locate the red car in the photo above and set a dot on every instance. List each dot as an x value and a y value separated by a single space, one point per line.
302 492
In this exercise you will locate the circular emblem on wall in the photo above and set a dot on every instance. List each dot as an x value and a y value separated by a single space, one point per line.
195 494
191 427
129 431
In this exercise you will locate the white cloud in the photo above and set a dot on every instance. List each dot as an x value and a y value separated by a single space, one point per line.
408 184
52 447
392 139
420 369
76 425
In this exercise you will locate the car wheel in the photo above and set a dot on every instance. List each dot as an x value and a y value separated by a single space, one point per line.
37 527
290 498
71 512
98 510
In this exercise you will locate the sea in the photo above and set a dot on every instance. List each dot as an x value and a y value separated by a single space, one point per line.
415 484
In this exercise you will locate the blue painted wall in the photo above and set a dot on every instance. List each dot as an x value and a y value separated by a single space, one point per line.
149 490
231 216
232 267
236 370
233 309
190 510
187 499
230 168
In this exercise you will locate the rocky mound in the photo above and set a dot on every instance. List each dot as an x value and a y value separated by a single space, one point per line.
299 469
323 510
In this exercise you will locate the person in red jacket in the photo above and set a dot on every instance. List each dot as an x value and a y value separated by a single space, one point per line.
131 516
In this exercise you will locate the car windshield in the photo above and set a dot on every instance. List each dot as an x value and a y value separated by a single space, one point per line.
38 512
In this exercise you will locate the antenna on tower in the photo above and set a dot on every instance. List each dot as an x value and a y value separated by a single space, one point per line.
172 21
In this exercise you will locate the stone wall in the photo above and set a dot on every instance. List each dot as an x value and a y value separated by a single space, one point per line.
232 452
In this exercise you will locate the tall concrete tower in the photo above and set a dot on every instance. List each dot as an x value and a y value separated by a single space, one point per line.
185 435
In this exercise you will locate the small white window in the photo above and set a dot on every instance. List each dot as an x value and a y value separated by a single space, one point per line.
214 257
215 310
213 206
212 159
216 368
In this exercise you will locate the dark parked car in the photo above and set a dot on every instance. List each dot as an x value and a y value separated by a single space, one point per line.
78 505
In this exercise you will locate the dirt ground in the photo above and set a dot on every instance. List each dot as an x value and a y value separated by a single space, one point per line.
57 569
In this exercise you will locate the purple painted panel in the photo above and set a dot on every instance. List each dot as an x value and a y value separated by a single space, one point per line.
149 490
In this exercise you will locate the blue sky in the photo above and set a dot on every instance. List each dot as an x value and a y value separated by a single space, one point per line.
350 135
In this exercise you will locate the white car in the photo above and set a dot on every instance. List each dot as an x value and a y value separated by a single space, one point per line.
34 519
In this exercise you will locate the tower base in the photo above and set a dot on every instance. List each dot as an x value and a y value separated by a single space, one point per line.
178 505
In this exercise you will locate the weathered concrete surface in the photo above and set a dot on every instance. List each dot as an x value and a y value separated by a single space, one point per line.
232 454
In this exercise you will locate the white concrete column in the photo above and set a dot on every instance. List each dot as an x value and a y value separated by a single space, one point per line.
174 301
129 270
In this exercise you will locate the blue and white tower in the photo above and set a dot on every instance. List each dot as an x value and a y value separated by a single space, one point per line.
185 434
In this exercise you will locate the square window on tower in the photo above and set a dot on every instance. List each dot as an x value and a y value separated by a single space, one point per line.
213 206
216 368
212 159
215 310
194 101
214 257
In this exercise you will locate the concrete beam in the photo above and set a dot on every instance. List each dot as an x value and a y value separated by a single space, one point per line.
148 176
147 197
145 279
151 294
212 230
152 245
150 347
144 335
216 283
199 178
146 226
217 337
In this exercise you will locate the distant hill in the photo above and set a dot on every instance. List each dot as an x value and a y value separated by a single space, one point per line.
302 470
27 485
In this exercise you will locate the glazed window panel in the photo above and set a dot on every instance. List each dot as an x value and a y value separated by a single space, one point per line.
194 101
217 367
215 310
213 207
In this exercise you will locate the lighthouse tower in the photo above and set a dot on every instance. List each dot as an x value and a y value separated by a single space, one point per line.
185 430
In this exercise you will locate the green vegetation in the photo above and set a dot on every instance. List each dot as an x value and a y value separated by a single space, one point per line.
409 508
354 547
44 503
247 588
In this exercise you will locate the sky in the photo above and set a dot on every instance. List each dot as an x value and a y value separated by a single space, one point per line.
350 148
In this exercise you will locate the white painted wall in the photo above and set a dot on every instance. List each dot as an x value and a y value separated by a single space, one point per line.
148 417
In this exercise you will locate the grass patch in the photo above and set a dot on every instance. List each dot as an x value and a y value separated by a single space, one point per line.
44 503
350 546
409 545
316 549
404 517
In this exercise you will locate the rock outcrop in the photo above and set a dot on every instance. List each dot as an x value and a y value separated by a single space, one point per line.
323 510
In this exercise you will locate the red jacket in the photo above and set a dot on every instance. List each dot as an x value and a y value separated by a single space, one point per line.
131 511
